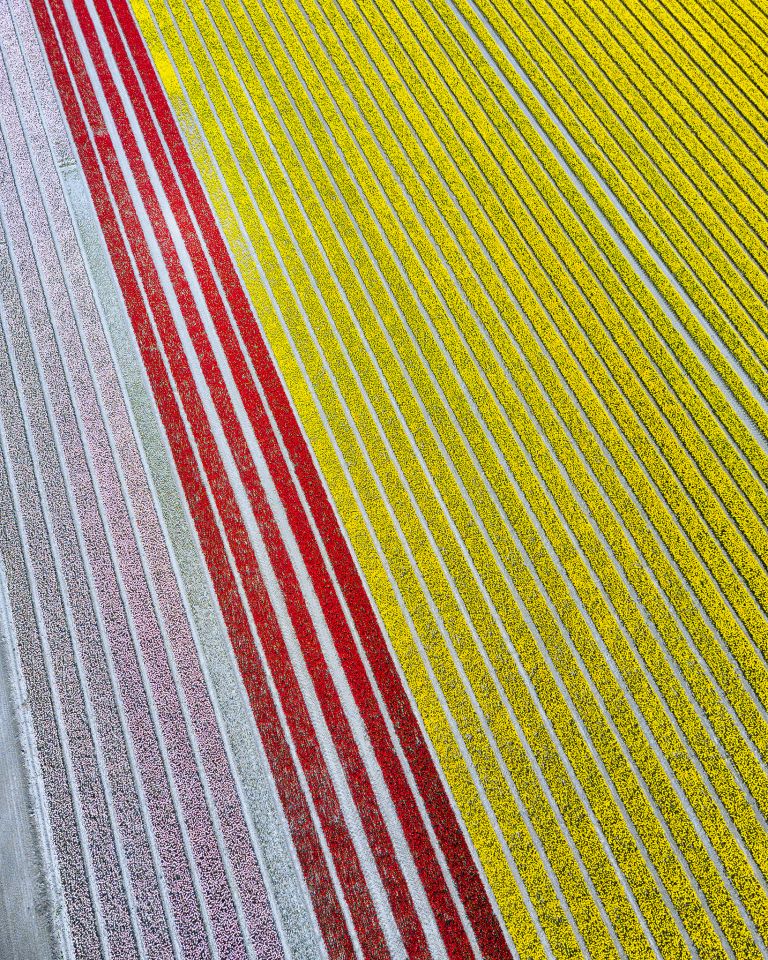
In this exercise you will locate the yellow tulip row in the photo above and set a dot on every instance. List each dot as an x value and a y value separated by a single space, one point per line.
675 377
614 119
732 64
661 391
750 17
746 700
491 206
371 296
706 87
626 187
691 370
389 20
704 158
655 347
757 461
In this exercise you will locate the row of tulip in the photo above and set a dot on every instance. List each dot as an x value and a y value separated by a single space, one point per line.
718 441
726 59
711 144
656 349
611 120
453 151
629 200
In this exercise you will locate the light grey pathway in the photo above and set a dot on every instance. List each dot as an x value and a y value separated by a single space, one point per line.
25 926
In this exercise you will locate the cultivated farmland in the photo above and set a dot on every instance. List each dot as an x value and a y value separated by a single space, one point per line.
436 337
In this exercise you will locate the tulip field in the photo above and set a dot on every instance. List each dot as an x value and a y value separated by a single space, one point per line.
384 478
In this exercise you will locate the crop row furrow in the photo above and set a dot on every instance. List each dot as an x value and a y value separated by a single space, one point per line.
672 336
657 346
614 123
589 495
650 216
704 148
731 56
647 373
520 248
634 522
